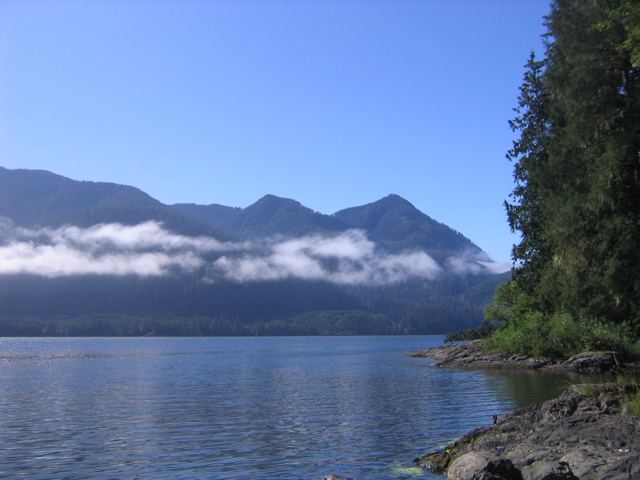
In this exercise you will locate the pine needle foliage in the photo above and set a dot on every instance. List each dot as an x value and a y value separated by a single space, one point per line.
576 200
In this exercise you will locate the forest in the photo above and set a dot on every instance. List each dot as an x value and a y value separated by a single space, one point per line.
576 199
131 306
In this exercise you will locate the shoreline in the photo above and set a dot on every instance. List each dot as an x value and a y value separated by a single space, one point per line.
585 433
470 356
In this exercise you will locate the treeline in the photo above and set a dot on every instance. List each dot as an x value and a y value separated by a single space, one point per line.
452 303
576 201
309 323
97 305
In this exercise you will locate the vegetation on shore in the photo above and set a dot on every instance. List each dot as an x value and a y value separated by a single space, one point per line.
631 404
483 331
576 285
334 322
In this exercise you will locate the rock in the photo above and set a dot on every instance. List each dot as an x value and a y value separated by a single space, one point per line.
335 477
499 469
545 470
475 466
594 361
434 462
582 434
466 466
471 355
536 362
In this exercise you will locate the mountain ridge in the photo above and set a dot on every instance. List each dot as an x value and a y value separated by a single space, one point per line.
268 216
33 198
35 304
39 198
392 221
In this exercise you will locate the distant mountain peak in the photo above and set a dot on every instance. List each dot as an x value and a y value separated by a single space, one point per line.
36 198
41 198
274 200
394 196
397 224
271 196
395 200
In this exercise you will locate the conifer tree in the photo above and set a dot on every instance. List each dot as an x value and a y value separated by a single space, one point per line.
576 200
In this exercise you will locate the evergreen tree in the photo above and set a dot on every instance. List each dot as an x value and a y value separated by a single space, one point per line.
576 200
529 154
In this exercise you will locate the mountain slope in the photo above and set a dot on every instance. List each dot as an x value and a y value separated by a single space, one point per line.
392 222
273 215
220 217
397 225
36 198
270 215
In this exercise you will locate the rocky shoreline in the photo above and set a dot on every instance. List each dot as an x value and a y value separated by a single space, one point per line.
584 434
470 355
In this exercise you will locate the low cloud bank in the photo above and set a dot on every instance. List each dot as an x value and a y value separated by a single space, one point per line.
471 262
147 249
347 258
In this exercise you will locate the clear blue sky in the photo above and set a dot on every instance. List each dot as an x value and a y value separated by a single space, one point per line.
333 103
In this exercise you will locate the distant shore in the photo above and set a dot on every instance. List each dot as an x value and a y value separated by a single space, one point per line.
586 433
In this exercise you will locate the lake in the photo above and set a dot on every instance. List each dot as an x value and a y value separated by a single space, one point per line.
238 408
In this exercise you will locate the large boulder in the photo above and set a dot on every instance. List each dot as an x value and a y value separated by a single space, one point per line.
479 466
585 433
545 470
594 361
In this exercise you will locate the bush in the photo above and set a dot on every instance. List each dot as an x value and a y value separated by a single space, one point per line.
528 331
510 304
631 404
558 336
483 331
523 336
633 350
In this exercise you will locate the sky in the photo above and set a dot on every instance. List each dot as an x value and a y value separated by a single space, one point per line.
335 103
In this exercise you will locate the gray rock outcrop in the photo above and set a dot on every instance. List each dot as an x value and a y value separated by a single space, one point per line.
584 434
471 355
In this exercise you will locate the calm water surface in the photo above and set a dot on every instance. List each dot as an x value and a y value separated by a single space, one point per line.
238 408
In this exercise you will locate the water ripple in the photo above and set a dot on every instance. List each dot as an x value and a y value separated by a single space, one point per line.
237 408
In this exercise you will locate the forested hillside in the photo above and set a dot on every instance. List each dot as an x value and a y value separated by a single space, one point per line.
576 200
270 215
397 224
71 251
35 198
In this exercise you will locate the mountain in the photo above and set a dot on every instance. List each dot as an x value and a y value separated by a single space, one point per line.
396 224
216 216
269 216
188 302
392 222
38 198
32 198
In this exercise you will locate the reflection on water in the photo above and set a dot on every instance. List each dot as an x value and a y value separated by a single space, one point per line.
238 408
525 387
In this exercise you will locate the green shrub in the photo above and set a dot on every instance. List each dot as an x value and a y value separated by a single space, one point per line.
523 329
590 390
522 336
510 304
633 350
631 404
558 336
483 331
